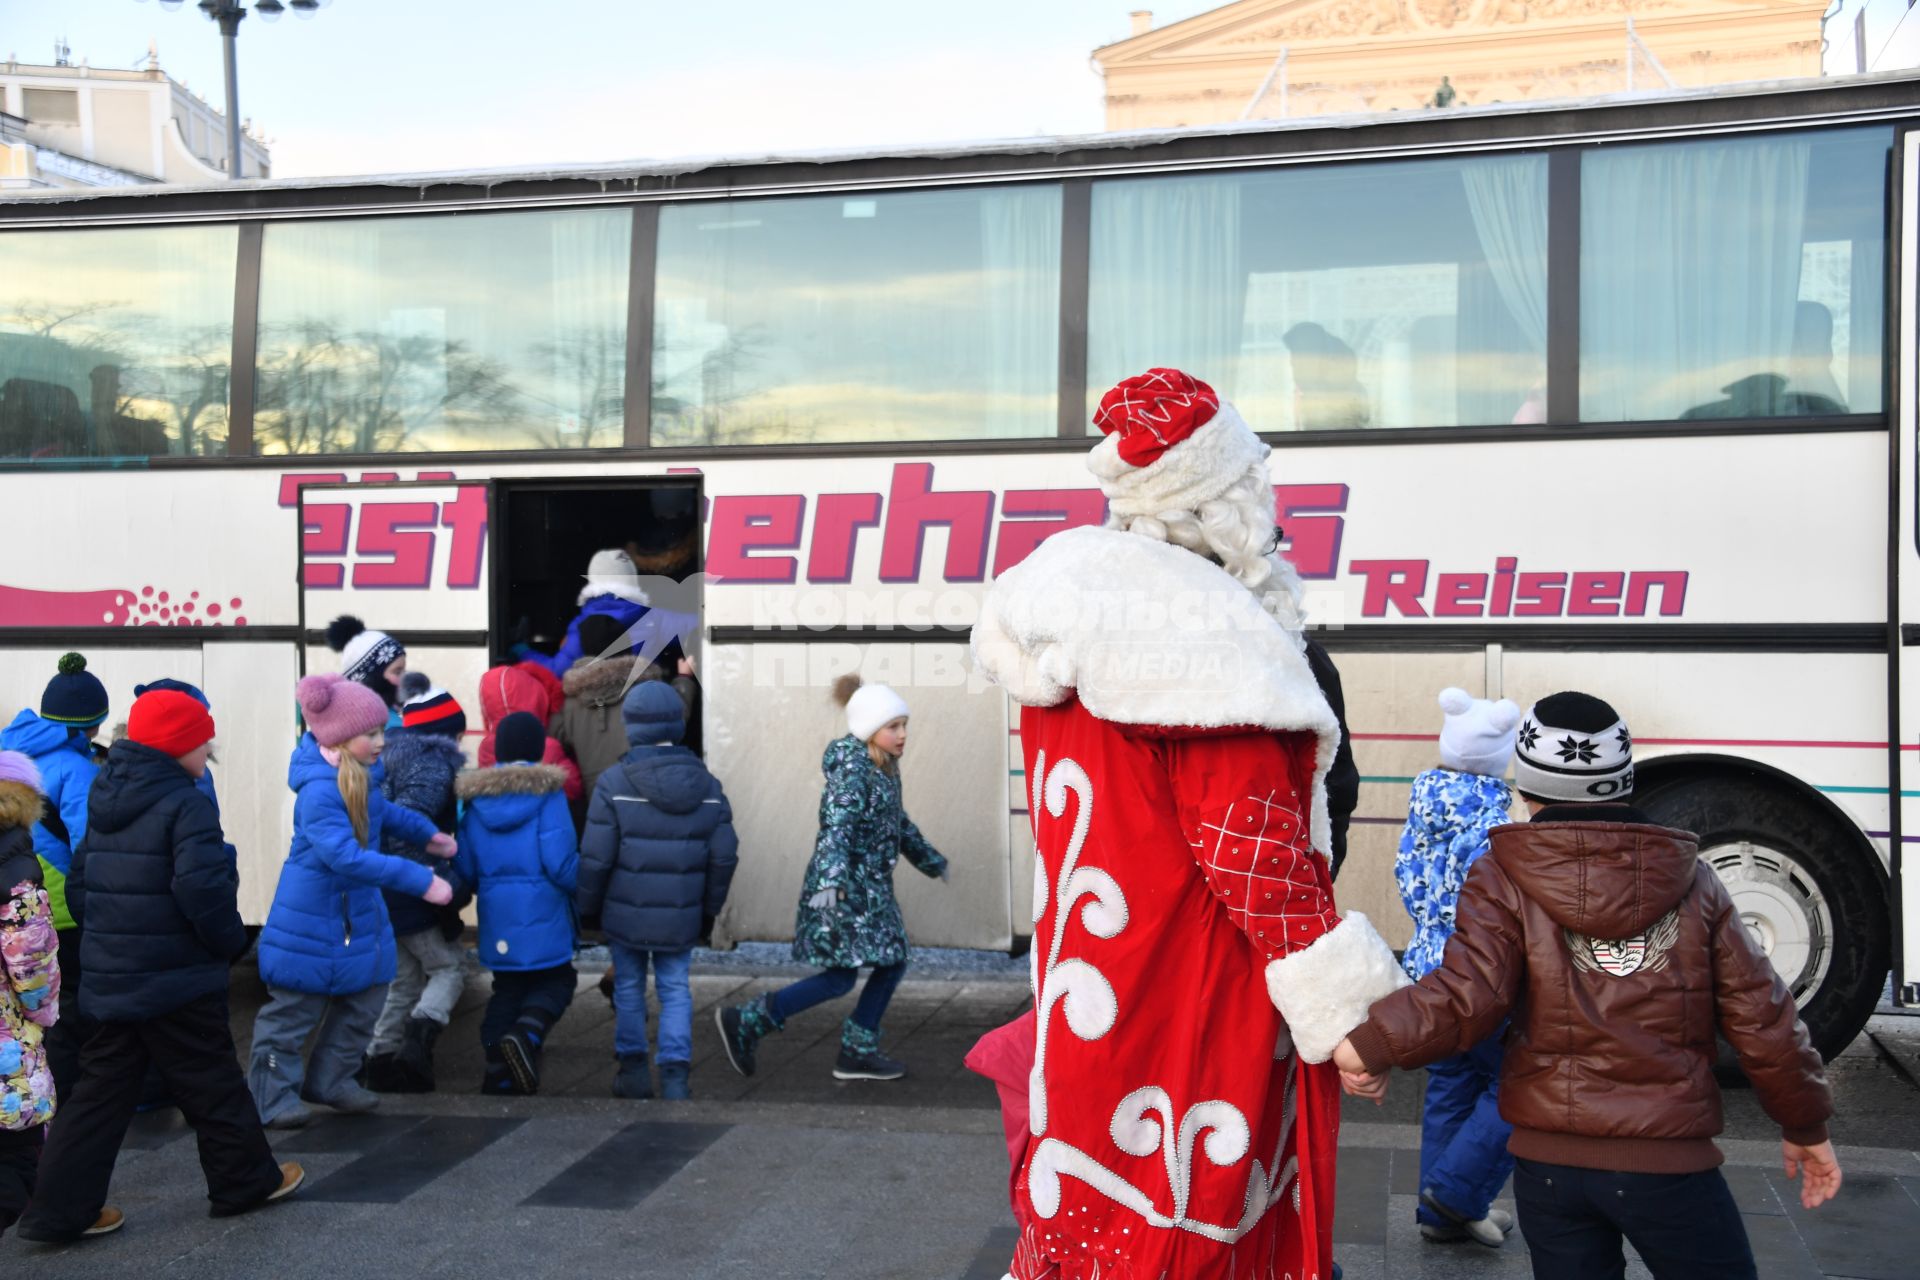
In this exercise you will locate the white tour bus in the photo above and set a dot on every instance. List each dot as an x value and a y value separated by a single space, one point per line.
1614 395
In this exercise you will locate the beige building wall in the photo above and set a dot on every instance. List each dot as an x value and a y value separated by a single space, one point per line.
1346 56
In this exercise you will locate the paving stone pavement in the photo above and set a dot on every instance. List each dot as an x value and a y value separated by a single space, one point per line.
792 1174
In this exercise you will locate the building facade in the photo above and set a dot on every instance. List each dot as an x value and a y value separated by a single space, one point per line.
71 125
1279 58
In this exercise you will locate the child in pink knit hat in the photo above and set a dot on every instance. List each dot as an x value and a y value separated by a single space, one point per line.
327 951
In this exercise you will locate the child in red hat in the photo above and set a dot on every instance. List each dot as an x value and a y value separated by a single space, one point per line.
155 893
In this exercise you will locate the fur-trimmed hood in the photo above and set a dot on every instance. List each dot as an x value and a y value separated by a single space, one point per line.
510 780
20 805
604 682
1149 634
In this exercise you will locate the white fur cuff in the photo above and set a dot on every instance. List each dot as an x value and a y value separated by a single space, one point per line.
1325 991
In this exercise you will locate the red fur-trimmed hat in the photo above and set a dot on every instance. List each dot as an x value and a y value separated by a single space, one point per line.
1171 444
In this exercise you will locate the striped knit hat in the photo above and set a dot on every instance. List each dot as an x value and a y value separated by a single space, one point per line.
1573 747
74 698
427 708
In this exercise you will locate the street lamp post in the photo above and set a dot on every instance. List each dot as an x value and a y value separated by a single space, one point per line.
229 14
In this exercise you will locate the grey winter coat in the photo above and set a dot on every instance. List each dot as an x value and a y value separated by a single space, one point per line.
864 830
659 851
590 725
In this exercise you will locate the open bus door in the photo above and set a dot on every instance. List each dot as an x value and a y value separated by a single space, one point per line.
472 573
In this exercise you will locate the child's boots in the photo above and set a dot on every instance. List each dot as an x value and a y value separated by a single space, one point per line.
633 1081
860 1056
414 1063
673 1082
522 1047
741 1028
497 1080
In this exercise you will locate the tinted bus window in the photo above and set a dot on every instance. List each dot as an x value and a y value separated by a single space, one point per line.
489 331
1732 279
911 316
115 342
1405 294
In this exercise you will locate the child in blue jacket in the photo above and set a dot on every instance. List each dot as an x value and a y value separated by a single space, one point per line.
327 952
518 853
1463 1141
60 741
656 863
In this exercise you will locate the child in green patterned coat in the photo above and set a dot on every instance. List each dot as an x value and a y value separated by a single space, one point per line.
849 917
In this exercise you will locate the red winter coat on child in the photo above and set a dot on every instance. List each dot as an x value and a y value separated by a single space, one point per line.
505 690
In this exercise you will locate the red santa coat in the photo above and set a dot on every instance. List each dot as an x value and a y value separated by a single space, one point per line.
1190 974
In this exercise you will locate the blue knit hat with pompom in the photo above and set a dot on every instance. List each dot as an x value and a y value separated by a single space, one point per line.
75 697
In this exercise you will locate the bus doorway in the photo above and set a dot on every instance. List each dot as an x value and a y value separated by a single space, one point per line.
546 534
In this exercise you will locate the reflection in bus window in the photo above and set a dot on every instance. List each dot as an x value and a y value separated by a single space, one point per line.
115 343
1404 294
1723 279
492 331
905 316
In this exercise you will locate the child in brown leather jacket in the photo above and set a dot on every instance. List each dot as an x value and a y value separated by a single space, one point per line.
1618 956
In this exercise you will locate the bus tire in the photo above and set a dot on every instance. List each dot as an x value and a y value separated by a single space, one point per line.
1804 880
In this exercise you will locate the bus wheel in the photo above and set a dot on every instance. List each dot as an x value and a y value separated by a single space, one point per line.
1806 884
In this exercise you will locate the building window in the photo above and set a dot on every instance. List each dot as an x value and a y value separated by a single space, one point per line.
115 342
52 106
1737 278
922 315
1400 294
486 331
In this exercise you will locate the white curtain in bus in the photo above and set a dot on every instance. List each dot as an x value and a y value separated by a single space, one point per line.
1169 283
1690 269
1020 290
1508 197
583 405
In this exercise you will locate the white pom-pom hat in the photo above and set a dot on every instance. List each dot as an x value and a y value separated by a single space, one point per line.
1477 735
871 708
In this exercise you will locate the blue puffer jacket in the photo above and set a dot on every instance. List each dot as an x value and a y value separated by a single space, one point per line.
627 614
65 760
659 851
420 769
327 933
153 889
517 850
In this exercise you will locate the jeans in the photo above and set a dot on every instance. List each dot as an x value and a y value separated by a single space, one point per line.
427 983
1463 1140
1685 1226
543 994
275 1072
193 1048
831 984
630 1002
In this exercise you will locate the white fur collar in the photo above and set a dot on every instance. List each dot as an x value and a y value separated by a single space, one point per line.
1145 633
627 589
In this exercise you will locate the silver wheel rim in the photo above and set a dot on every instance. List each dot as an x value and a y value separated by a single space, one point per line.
1783 909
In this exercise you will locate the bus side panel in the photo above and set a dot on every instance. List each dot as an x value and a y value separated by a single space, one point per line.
1906 422
1394 716
769 717
251 688
1802 713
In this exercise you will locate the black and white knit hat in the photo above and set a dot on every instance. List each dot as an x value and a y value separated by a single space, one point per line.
1574 747
364 652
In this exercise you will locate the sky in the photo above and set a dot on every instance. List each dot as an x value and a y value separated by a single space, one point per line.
385 86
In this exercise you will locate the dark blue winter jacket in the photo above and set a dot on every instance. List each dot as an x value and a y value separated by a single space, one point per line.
517 851
65 759
420 769
659 851
153 890
327 933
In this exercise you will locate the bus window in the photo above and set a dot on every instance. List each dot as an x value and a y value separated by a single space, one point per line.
115 342
1737 278
926 315
1403 294
495 331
